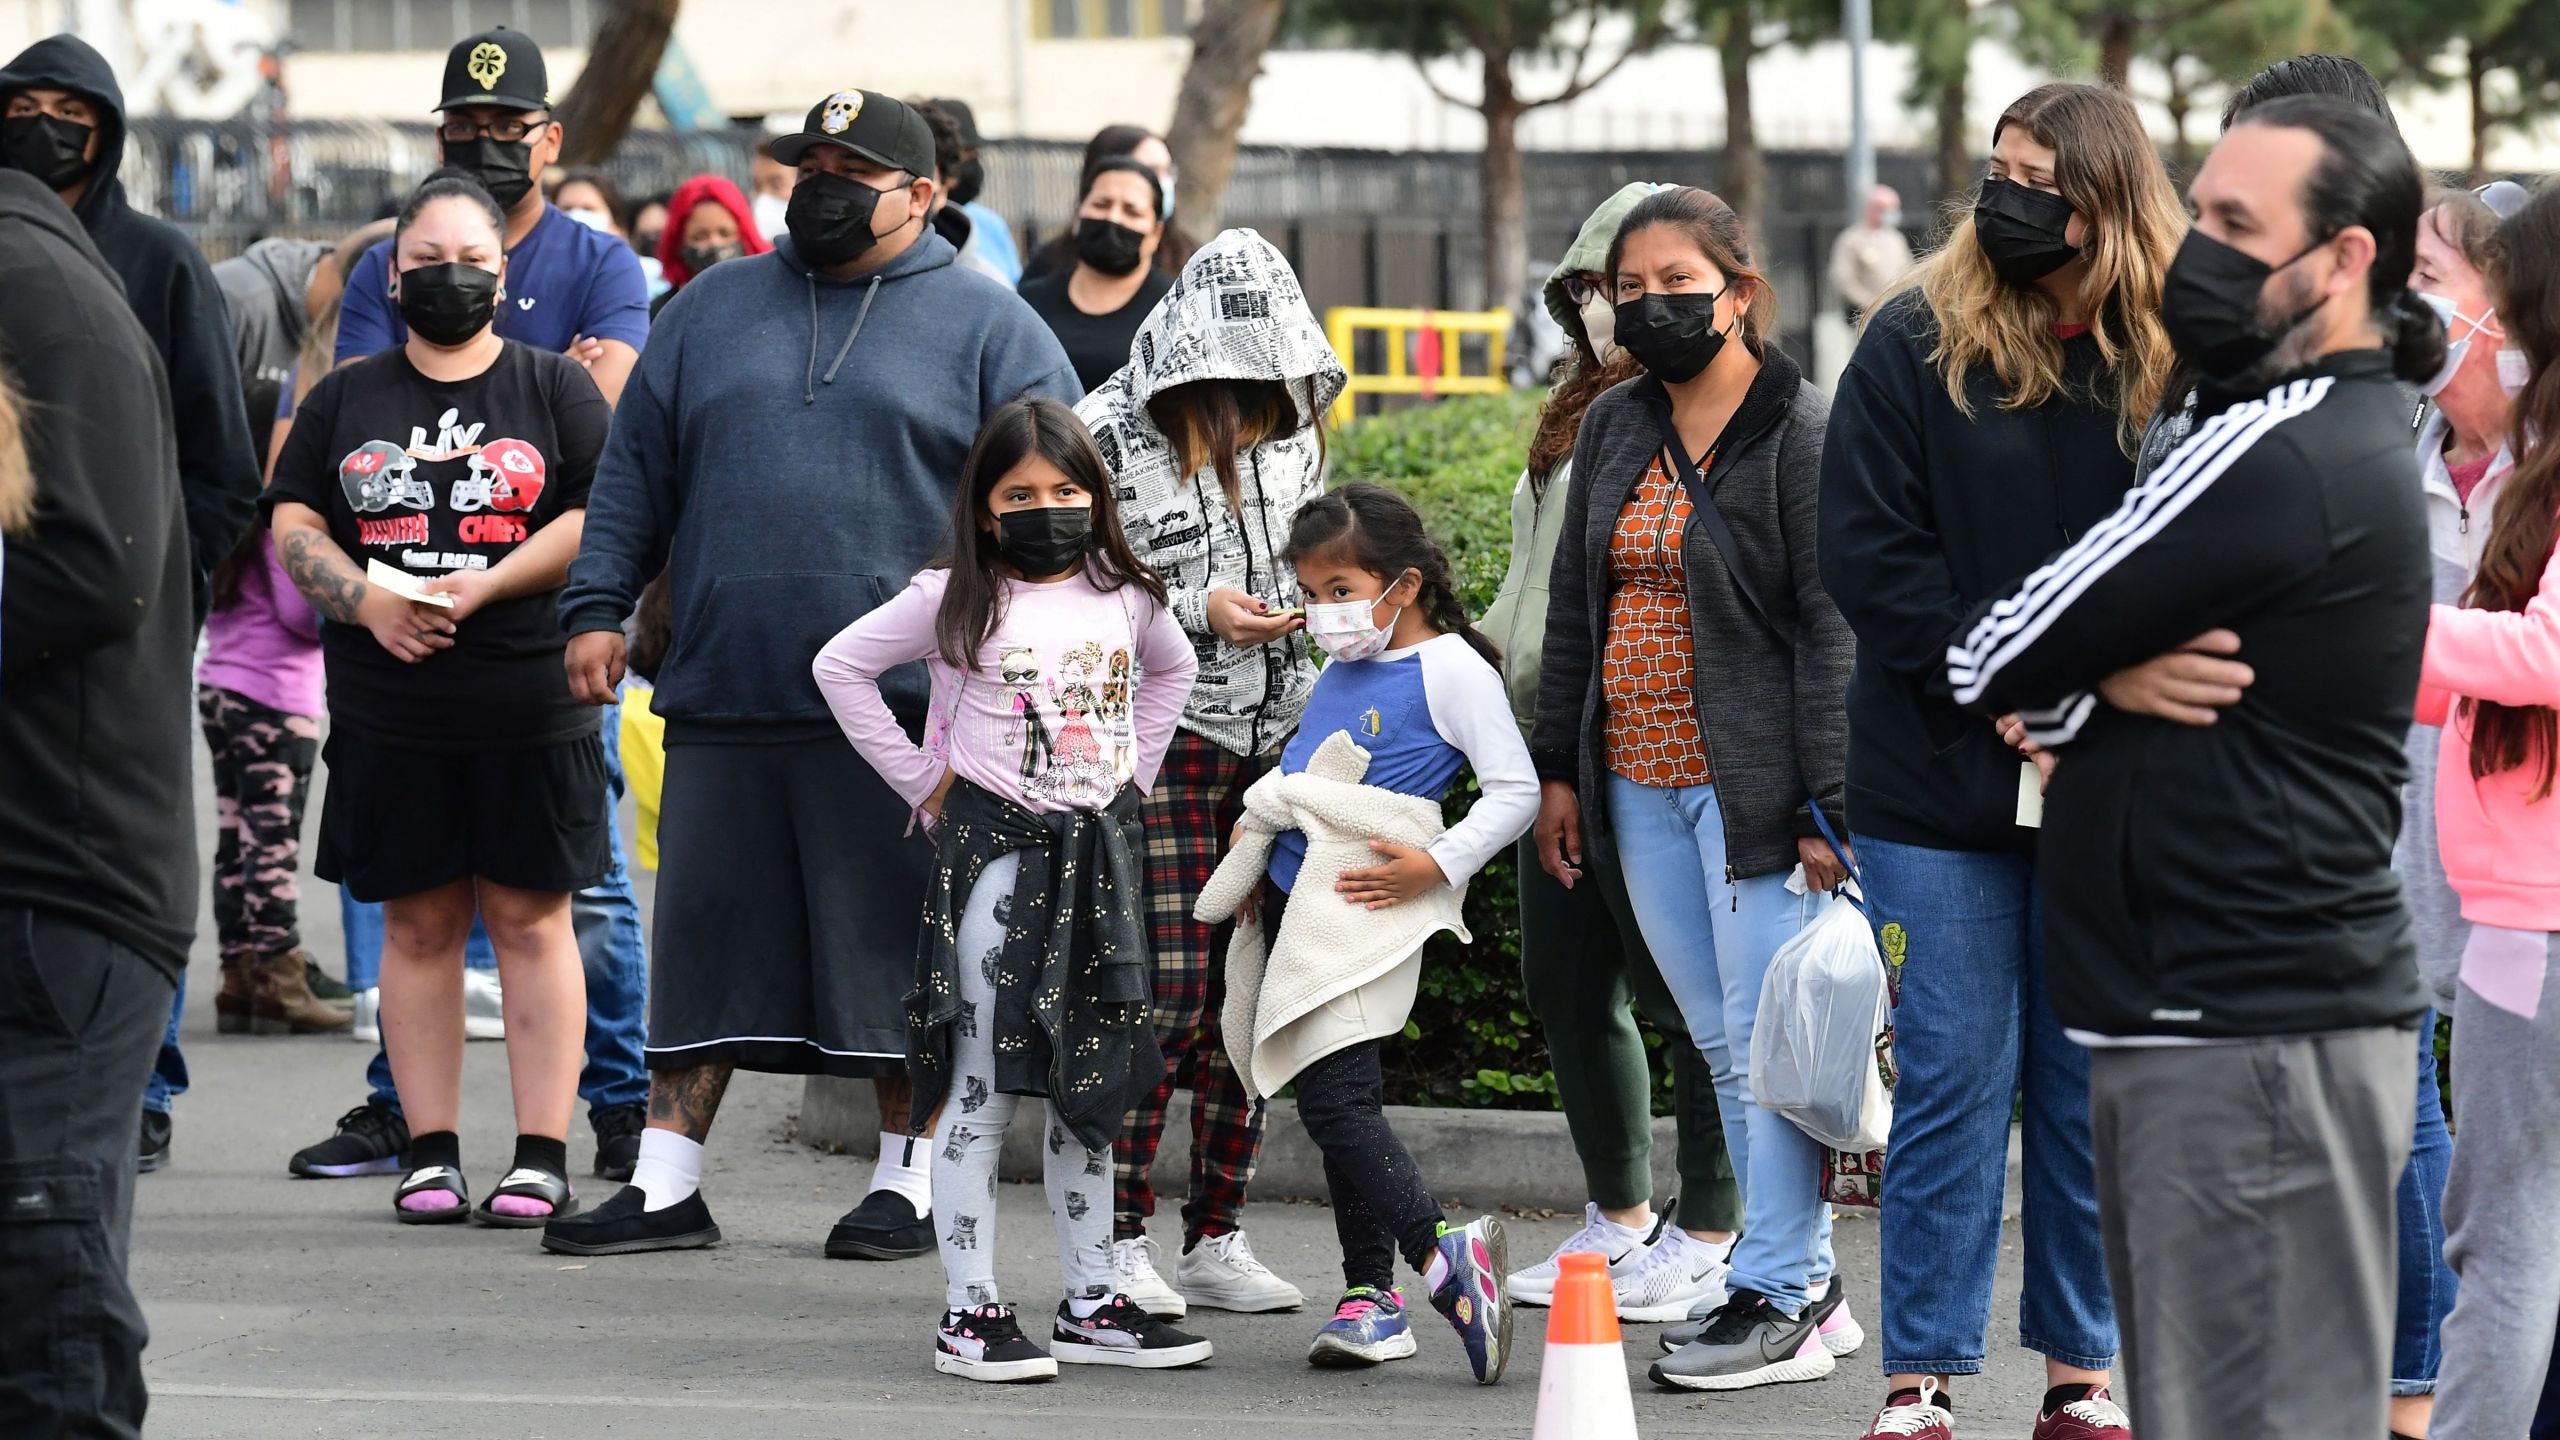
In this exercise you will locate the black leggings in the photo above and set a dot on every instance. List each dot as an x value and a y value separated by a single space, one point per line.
1379 1203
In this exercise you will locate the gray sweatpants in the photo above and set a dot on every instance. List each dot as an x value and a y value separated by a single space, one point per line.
2246 1193
2502 1232
970 1136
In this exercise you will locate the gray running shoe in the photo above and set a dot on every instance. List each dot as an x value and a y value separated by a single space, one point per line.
1748 1342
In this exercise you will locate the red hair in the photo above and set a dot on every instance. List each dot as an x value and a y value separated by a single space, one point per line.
721 191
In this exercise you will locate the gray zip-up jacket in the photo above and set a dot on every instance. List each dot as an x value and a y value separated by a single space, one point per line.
1774 710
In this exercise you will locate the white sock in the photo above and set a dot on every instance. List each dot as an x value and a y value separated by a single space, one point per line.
906 1166
1085 1307
1435 1272
670 1167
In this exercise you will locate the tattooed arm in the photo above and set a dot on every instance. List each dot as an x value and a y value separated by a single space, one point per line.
329 580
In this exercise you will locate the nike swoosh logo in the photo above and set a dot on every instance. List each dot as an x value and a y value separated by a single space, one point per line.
1789 1340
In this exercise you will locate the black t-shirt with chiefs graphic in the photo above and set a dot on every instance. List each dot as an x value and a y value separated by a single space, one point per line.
432 478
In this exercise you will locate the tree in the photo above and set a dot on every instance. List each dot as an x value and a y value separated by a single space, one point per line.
1227 43
2405 41
1501 34
2222 48
622 64
1941 35
2513 76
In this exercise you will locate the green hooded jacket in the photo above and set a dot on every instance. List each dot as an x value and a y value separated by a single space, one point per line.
1517 620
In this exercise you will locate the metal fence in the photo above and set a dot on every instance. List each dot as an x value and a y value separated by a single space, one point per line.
1363 227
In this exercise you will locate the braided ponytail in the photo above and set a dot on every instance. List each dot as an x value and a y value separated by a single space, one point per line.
1384 535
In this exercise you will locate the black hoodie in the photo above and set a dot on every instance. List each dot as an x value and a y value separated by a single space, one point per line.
172 291
96 720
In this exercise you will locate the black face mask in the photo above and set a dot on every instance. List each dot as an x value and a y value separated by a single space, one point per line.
1046 541
503 168
645 243
46 147
1108 245
448 304
1672 336
2210 303
830 218
968 180
698 258
2021 230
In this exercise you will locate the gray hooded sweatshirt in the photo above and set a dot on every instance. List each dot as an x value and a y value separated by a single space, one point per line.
1235 313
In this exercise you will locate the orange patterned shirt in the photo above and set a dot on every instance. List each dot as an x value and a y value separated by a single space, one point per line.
1650 727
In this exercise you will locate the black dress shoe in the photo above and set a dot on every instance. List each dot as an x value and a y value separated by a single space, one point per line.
885 1226
618 1140
155 1143
622 1226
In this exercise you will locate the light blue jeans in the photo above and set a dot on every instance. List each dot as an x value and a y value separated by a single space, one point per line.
1713 938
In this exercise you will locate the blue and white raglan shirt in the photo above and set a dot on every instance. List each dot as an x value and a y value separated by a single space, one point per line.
1422 712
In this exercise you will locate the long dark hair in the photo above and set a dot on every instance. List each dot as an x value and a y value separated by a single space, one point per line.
1560 419
2522 525
2365 177
1173 248
1031 426
1381 532
1208 422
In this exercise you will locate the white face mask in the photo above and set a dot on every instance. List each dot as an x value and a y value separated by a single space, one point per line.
2513 371
1600 326
592 219
1348 630
769 211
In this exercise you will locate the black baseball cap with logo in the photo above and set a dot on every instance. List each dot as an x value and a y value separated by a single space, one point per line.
962 116
880 128
495 67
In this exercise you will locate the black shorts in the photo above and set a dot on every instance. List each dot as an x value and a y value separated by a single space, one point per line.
396 820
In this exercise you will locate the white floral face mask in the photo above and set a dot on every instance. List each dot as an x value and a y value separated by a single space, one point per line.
1348 630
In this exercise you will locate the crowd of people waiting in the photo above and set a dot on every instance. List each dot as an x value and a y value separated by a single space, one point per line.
2156 632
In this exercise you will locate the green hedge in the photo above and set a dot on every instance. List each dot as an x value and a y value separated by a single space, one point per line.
1471 1040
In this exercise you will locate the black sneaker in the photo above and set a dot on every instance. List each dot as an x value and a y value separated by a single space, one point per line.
624 1226
618 1130
369 1141
1122 1334
322 984
155 1141
885 1226
1747 1342
988 1344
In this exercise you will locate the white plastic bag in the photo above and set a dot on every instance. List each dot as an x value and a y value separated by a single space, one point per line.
1823 1010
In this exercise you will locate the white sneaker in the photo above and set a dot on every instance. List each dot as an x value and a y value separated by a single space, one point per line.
1134 1262
484 1013
1221 1273
369 1016
1678 1275
1623 1248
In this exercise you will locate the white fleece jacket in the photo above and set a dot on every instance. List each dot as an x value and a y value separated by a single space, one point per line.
1339 974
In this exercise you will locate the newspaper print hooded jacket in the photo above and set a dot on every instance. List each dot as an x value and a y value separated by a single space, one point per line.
1235 313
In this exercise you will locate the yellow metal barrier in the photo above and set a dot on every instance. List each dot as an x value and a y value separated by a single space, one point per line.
1435 337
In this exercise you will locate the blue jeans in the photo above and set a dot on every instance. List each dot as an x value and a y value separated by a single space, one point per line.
1973 1036
169 1073
2426 1281
607 920
1713 938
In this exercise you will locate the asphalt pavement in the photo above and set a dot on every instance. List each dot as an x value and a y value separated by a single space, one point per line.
282 1307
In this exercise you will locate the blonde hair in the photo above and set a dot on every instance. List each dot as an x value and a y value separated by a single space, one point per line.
2105 166
17 476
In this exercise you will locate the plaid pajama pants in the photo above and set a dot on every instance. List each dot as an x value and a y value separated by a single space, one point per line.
1187 817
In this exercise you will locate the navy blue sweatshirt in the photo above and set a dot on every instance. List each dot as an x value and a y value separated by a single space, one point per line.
788 449
174 295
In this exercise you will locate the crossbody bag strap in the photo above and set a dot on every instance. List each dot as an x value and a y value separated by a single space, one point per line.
1702 508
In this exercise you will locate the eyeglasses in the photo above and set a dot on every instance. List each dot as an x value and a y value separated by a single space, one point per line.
1580 291
506 132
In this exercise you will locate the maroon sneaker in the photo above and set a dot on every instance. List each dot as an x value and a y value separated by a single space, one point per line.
1922 1418
2096 1417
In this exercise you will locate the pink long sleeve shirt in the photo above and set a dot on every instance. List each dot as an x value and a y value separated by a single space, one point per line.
2501 846
1075 694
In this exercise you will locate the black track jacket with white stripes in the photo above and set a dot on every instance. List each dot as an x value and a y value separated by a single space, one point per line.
2233 880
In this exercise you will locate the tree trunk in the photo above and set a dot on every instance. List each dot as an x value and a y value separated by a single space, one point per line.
2116 34
1506 185
1955 154
1227 43
1740 176
2475 74
622 63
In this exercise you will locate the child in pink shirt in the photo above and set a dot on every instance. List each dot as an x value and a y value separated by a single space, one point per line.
259 695
1058 674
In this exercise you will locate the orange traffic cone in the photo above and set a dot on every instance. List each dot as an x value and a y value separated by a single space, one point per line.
1582 1383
